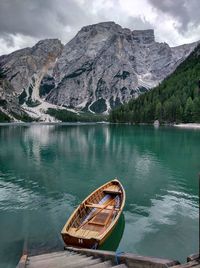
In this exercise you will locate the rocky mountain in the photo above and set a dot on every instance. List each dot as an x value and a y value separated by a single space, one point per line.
22 72
8 101
103 66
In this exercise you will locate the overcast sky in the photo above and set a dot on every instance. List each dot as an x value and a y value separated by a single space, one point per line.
24 22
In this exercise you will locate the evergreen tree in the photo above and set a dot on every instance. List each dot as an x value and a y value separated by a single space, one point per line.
158 111
196 109
176 99
189 110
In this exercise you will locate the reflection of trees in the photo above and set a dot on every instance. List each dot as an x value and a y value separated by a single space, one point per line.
57 158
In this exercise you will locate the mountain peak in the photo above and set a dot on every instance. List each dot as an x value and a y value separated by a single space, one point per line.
108 28
48 41
102 25
103 28
143 36
48 44
105 65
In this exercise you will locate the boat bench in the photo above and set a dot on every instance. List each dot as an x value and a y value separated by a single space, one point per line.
112 192
82 233
100 206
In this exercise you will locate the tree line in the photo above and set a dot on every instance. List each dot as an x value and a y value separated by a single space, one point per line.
67 116
175 100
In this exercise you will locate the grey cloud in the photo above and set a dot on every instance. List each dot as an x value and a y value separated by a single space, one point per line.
138 24
8 40
48 18
185 11
39 18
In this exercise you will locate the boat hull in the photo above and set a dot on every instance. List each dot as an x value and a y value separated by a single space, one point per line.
94 229
86 243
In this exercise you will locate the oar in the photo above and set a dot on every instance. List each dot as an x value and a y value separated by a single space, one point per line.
94 215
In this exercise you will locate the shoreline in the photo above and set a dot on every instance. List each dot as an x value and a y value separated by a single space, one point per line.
188 125
50 123
181 125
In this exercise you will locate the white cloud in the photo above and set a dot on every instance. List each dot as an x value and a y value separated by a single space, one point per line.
24 22
18 41
140 9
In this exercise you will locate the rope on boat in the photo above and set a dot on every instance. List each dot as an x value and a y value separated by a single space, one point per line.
117 255
95 246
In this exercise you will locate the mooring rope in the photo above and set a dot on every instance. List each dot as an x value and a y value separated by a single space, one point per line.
117 255
95 246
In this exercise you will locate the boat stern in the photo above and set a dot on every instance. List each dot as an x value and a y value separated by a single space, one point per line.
79 241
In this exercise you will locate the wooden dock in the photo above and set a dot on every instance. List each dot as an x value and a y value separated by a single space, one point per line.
74 257
193 261
64 259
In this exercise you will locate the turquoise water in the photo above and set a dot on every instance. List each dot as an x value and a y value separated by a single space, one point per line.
47 170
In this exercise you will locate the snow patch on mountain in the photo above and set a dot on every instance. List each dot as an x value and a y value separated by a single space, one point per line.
40 112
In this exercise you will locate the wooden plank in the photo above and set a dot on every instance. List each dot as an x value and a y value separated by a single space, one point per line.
102 221
132 260
113 189
109 217
95 214
96 223
193 257
22 261
100 206
83 233
190 264
94 205
112 192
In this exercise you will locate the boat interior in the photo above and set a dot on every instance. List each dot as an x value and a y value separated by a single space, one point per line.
96 214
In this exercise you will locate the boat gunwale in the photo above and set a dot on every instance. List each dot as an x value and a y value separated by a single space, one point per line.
111 226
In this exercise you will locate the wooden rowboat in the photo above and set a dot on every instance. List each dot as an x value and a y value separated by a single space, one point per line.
95 218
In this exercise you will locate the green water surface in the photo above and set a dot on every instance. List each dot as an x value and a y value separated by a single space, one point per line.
47 170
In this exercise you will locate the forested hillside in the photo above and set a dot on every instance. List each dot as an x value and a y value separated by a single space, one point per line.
67 116
176 99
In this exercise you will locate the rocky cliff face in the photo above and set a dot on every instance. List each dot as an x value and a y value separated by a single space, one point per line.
23 72
105 65
25 68
9 104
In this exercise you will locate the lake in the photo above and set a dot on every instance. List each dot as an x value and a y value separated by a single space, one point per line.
47 170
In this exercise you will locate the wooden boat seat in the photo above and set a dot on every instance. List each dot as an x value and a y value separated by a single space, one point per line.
113 189
83 233
107 191
96 223
90 205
